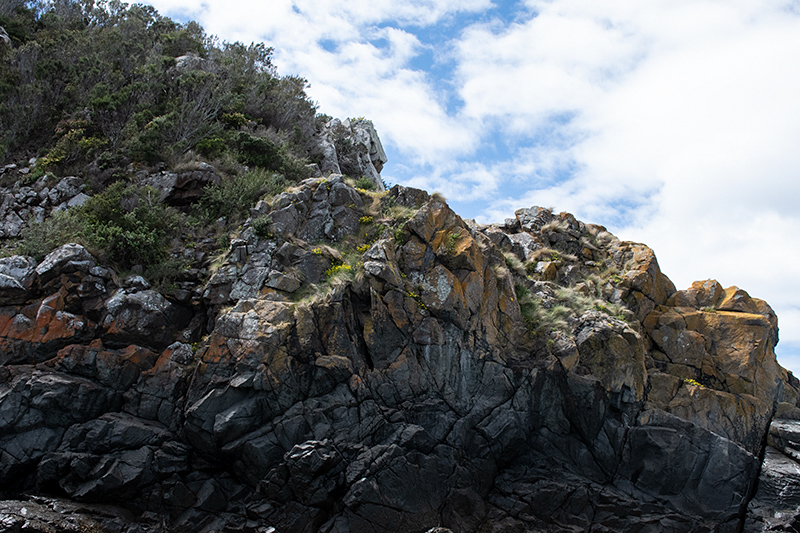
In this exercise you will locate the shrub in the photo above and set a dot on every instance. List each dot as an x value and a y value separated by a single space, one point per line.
234 197
127 225
261 226
41 238
258 151
365 183
212 147
234 120
337 269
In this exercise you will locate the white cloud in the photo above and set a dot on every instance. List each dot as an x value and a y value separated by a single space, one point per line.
466 182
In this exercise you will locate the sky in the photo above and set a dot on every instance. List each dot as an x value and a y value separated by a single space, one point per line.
675 123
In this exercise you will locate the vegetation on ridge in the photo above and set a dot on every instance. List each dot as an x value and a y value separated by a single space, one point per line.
112 83
104 90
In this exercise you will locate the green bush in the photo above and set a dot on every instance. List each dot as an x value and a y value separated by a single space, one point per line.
234 197
124 225
258 151
211 148
128 225
41 238
261 226
365 183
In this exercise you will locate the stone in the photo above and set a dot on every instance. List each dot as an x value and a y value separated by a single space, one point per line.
143 317
614 353
68 258
11 225
735 350
17 274
534 218
649 461
185 187
360 150
777 500
78 200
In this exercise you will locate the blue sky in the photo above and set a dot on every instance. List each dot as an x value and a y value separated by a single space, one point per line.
672 122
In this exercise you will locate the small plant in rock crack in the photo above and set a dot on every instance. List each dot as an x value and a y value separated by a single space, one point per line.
452 241
400 234
261 226
336 269
417 298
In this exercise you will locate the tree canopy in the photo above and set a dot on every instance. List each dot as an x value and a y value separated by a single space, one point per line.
113 83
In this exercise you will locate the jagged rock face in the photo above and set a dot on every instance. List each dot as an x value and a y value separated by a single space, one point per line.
352 147
776 503
445 383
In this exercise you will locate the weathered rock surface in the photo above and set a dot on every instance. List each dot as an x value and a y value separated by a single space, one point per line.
363 373
352 147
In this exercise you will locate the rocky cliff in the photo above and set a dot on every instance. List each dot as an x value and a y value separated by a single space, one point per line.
370 362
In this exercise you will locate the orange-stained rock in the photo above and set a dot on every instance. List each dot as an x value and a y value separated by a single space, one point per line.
648 285
614 353
730 350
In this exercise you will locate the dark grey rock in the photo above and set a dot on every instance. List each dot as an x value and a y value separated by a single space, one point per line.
66 259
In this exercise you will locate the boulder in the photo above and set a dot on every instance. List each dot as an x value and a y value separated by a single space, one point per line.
64 260
352 147
142 317
17 275
730 351
614 353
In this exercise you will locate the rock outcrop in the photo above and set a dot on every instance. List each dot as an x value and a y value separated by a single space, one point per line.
376 364
352 147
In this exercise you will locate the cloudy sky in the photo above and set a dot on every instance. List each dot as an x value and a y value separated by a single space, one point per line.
672 122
